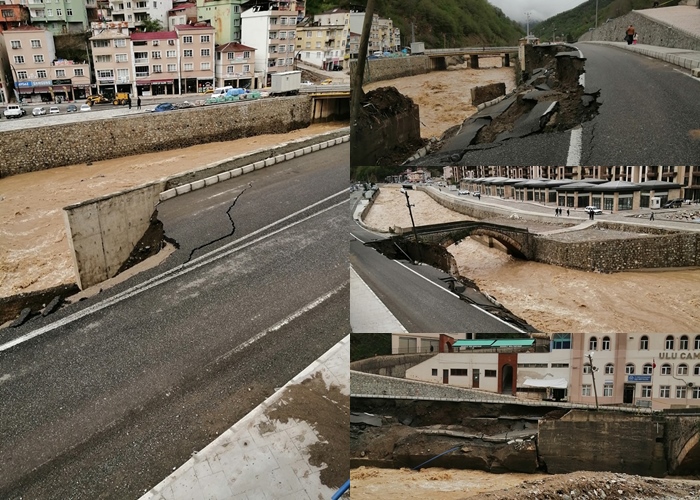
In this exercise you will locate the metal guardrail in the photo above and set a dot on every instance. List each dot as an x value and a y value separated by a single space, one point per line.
324 89
476 50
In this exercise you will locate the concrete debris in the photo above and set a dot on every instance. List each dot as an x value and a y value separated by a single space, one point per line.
22 318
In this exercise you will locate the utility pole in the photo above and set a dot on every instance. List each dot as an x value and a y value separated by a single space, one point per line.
356 77
596 13
413 224
528 24
413 33
593 369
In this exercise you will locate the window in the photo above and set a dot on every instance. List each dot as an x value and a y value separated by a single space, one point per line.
669 343
683 344
644 343
682 369
309 34
606 343
681 391
187 53
205 66
59 12
38 58
171 42
204 38
187 39
587 369
696 392
123 75
157 68
246 54
105 73
629 369
78 72
489 373
646 391
156 43
697 342
103 59
459 372
229 70
100 44
69 12
49 12
19 59
433 372
593 344
172 67
120 42
155 54
171 53
189 67
586 390
22 75
532 365
666 369
205 52
16 44
121 58
560 365
665 391
60 73
609 369
647 369
696 370
246 68
608 390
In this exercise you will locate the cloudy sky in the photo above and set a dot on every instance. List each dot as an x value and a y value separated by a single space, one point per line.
539 9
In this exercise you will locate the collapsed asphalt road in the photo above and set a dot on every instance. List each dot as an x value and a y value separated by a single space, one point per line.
116 390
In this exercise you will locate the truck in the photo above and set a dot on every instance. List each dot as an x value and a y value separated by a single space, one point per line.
97 99
417 48
14 111
286 83
121 98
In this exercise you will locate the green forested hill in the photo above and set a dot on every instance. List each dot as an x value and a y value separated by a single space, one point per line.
575 22
454 23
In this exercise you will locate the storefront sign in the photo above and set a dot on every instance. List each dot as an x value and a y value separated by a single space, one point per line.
65 81
681 355
38 83
638 378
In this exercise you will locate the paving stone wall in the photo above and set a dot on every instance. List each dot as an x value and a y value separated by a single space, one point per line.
388 68
650 32
33 149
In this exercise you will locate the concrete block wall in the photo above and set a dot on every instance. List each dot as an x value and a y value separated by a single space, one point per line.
391 366
388 68
583 440
33 149
103 232
369 144
650 31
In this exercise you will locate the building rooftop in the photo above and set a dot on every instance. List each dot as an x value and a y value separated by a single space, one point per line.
154 35
233 47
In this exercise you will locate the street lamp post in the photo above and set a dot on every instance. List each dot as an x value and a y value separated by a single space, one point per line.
596 13
593 369
410 212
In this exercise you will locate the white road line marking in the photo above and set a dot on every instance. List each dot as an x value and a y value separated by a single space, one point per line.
308 307
573 159
499 319
551 106
358 239
426 279
170 274
687 74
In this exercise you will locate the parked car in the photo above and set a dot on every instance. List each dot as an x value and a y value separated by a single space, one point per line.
164 106
53 110
595 210
327 81
72 108
85 107
14 111
675 203
39 111
462 191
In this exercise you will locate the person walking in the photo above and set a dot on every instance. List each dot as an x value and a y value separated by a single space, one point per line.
556 212
629 34
651 217
138 102
634 39
128 101
567 212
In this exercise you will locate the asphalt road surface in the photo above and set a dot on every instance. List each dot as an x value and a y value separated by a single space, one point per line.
648 116
120 389
418 296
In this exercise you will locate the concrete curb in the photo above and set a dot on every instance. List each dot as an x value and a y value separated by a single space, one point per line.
675 59
191 186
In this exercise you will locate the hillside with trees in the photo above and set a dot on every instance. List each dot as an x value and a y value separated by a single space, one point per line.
575 22
451 23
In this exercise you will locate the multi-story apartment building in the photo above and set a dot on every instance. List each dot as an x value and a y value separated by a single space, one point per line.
154 63
321 45
59 16
182 13
353 48
37 74
342 46
235 66
134 12
357 20
271 28
225 15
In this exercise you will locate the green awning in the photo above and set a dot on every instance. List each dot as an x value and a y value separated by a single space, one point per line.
473 343
514 343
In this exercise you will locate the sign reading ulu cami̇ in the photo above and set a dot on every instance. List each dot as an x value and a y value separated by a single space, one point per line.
679 355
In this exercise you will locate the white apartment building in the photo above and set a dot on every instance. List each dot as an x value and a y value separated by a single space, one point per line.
273 33
134 12
235 66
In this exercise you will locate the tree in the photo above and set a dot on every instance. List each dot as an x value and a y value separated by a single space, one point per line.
149 24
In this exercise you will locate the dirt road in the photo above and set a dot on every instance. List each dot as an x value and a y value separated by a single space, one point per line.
556 299
444 97
34 252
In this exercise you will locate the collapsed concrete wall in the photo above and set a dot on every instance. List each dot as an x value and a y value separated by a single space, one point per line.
650 32
32 149
388 68
611 442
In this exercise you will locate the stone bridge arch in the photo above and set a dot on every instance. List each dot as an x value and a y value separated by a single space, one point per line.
513 246
688 460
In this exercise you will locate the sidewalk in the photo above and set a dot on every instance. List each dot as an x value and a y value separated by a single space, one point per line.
368 314
689 59
293 446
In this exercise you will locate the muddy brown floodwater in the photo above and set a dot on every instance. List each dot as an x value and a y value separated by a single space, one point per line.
444 97
34 252
557 299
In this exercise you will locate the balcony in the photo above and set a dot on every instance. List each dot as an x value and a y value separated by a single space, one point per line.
141 60
141 74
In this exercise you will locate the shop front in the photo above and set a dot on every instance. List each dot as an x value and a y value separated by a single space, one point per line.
35 91
204 85
62 90
156 87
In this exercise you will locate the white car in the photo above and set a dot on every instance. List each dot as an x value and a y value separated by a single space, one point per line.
39 111
463 191
595 210
85 107
53 110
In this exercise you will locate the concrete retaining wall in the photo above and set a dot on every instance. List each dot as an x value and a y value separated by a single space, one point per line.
388 68
103 232
370 144
391 366
33 149
602 442
650 32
